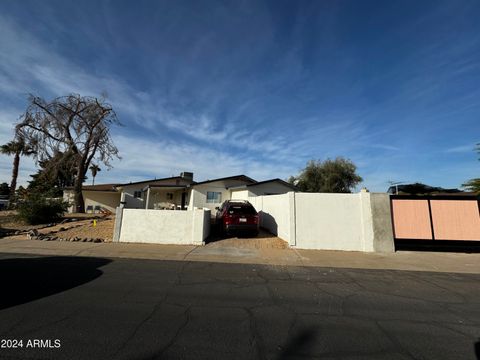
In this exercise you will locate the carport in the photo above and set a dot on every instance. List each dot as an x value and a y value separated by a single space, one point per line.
166 197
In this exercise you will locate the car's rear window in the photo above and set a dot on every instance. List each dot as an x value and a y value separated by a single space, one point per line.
241 210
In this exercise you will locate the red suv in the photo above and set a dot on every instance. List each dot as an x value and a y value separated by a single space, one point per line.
237 216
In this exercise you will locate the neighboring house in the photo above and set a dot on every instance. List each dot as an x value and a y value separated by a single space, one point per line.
421 189
178 192
267 187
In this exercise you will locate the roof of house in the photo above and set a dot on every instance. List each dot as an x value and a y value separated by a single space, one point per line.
99 187
293 187
164 186
153 180
236 177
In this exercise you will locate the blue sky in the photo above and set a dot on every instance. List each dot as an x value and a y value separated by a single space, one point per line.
230 87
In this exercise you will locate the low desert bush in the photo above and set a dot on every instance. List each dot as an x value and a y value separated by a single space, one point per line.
41 210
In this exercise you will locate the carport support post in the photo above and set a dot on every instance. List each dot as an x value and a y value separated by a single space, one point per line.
148 198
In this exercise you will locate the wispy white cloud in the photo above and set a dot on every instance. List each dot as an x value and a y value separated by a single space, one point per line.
460 149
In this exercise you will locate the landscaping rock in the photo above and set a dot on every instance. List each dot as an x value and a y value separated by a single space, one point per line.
62 229
32 233
97 240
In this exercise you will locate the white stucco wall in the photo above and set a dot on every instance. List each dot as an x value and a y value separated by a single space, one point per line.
275 214
329 221
132 202
107 200
240 194
165 226
350 222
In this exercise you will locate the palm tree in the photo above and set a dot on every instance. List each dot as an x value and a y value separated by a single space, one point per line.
94 170
16 148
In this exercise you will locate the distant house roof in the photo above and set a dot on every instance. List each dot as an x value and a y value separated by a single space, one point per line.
153 180
421 189
164 186
277 180
236 177
99 187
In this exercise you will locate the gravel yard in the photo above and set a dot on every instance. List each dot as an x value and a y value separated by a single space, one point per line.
103 230
76 225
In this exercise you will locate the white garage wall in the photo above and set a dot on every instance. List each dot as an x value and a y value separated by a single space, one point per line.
242 194
108 200
164 226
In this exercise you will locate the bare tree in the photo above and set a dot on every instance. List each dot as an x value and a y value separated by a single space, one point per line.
73 124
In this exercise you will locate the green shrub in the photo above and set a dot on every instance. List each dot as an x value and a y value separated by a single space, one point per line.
41 210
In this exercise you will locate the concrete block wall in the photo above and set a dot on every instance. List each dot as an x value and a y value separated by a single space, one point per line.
162 226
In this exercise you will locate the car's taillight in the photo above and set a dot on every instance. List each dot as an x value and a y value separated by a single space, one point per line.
227 219
255 219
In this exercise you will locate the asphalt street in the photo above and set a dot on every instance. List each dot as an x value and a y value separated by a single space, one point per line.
94 308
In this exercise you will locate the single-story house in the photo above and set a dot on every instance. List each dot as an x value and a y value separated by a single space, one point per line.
176 193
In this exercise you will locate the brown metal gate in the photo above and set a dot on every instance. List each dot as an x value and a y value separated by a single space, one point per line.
435 218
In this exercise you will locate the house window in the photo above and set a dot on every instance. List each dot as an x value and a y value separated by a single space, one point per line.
137 194
169 196
214 197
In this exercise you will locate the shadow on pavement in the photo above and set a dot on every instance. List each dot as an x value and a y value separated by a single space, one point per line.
460 246
301 343
26 279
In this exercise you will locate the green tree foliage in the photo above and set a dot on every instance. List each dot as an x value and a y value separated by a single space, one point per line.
37 209
73 124
473 184
54 175
330 176
18 147
94 169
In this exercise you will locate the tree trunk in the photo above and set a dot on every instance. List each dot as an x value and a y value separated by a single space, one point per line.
13 184
77 187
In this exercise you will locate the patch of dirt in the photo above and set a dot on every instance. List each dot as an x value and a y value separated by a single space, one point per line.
81 226
9 222
86 229
264 240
